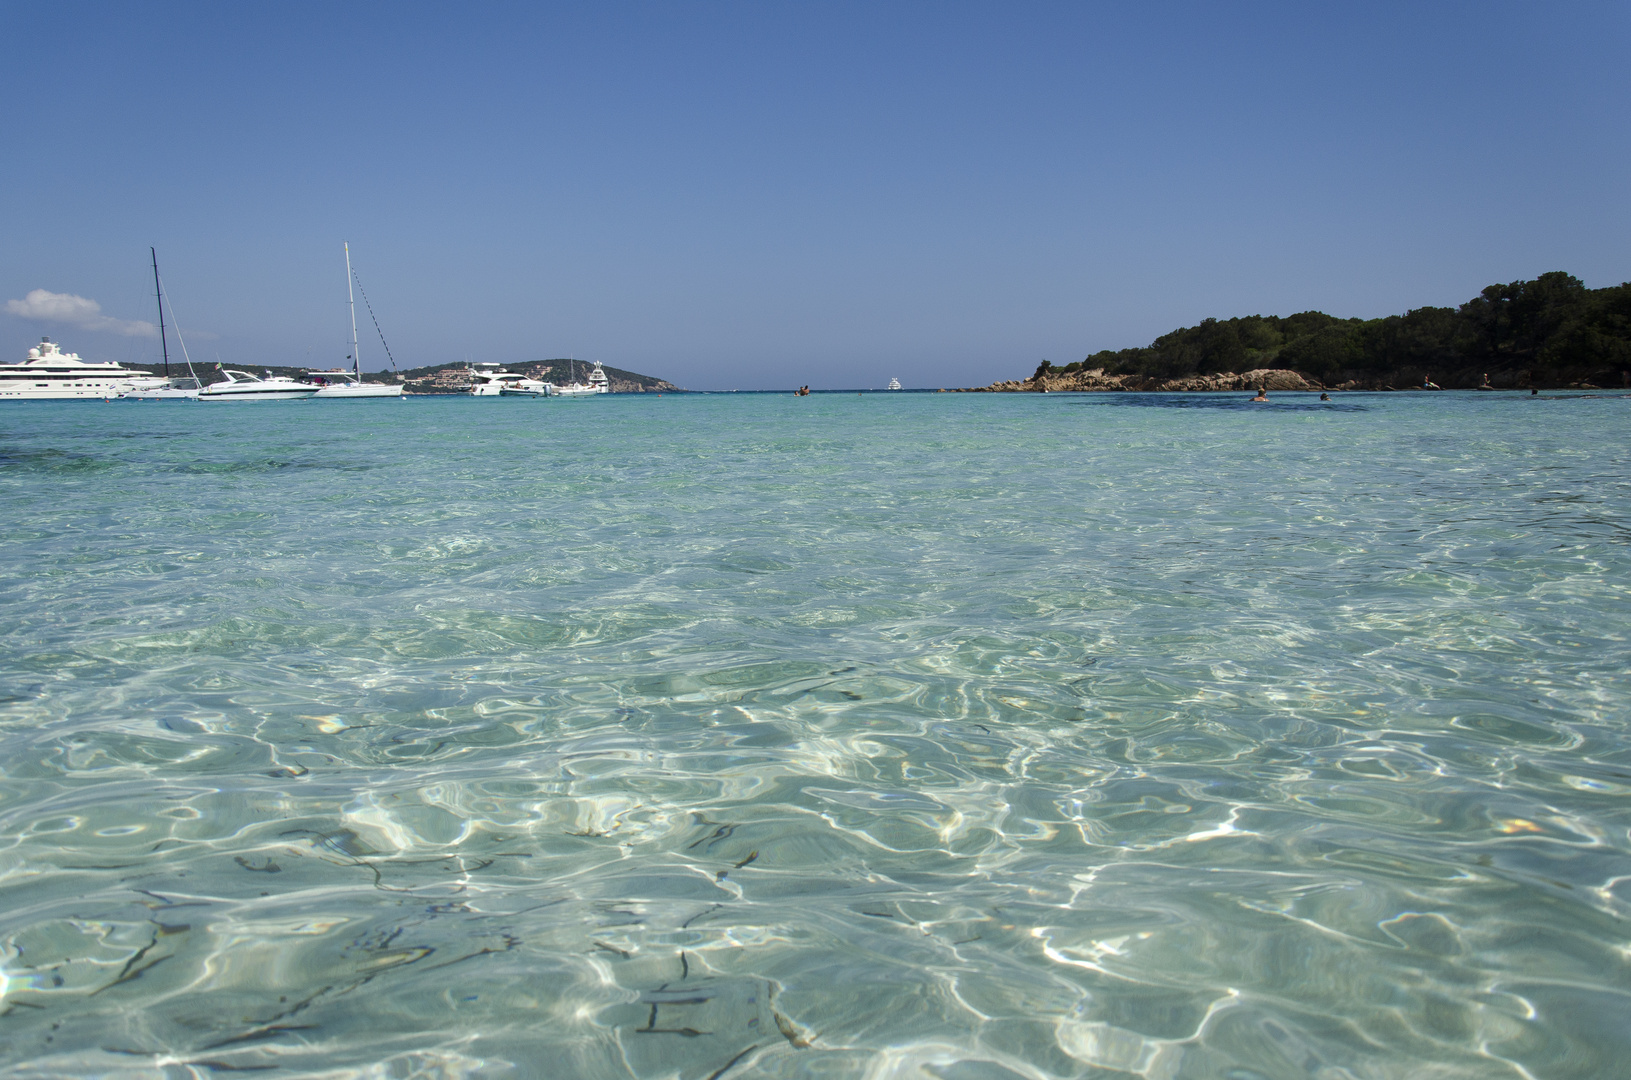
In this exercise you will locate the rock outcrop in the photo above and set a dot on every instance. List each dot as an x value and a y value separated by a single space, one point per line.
1096 380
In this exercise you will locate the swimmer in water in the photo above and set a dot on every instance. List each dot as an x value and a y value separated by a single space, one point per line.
1262 394
1325 397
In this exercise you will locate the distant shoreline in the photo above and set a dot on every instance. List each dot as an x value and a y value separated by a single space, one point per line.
1551 333
1272 379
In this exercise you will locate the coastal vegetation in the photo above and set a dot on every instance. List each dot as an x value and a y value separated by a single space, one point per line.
1549 332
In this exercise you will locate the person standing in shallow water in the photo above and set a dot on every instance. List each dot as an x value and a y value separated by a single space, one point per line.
1262 394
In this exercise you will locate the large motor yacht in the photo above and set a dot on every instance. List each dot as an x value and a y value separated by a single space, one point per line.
488 379
242 386
48 372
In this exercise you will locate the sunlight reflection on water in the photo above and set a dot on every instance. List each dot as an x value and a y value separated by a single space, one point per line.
896 736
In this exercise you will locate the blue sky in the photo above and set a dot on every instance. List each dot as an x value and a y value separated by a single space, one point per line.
760 195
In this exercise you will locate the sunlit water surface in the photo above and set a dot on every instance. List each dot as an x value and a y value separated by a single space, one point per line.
931 736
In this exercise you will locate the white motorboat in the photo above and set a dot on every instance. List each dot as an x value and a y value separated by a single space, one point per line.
894 384
525 387
48 372
242 386
489 379
346 384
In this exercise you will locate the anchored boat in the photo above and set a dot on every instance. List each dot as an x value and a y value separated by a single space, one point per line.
489 379
48 372
596 383
242 386
349 384
175 388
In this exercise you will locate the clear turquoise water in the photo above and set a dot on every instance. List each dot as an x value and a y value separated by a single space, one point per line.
940 736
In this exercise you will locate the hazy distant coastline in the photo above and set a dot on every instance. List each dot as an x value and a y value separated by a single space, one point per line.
449 378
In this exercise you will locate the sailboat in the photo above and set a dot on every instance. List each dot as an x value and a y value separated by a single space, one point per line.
597 383
341 383
173 388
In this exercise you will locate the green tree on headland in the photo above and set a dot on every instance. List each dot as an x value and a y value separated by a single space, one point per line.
1552 331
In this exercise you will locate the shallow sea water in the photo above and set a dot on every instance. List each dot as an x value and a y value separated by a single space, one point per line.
921 736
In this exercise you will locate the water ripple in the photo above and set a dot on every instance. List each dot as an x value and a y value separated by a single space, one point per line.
926 736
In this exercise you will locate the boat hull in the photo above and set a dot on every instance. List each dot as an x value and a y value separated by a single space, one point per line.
161 393
49 374
274 394
88 391
368 390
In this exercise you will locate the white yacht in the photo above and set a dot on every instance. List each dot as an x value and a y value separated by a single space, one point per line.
48 372
489 379
597 384
242 386
346 384
174 389
340 383
894 384
521 386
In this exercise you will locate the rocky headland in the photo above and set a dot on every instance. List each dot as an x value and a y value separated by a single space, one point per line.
1097 379
1549 333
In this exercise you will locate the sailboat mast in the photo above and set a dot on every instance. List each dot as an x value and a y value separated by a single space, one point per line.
158 290
356 361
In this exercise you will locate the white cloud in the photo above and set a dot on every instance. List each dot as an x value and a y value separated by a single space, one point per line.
77 311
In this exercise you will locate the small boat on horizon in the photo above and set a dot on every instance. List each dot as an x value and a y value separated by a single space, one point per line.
894 384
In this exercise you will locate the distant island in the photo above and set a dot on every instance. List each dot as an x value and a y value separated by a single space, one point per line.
1549 333
447 378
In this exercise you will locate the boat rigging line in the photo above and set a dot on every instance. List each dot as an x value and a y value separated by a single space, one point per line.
371 314
165 345
176 325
